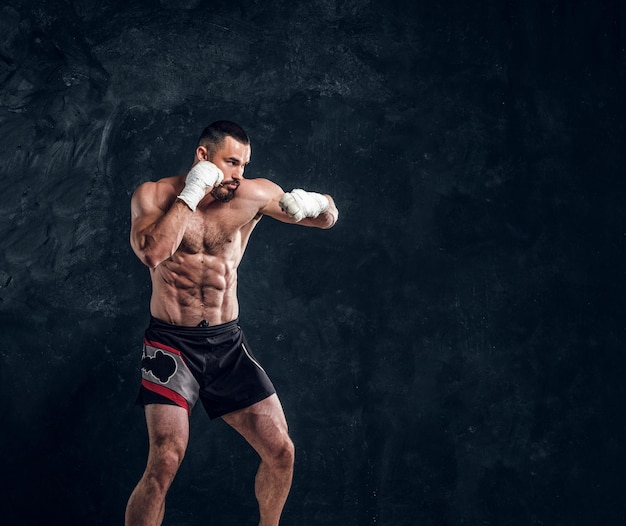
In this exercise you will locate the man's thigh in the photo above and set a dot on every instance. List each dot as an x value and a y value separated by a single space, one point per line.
168 427
262 424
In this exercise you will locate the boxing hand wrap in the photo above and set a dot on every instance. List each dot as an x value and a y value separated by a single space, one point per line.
203 174
299 204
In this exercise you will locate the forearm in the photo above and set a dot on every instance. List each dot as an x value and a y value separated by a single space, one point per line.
160 240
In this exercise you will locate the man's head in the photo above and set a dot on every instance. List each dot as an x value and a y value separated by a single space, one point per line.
214 134
226 145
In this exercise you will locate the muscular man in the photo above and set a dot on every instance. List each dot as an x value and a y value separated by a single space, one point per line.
191 232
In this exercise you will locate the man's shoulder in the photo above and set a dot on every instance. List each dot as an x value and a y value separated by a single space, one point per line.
159 193
167 182
259 181
164 186
263 188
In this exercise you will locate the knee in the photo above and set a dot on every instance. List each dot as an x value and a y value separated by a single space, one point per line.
163 465
282 454
169 460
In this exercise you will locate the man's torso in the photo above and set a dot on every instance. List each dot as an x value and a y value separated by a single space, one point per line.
199 282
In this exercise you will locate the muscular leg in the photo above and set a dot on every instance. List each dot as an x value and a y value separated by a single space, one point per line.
264 426
168 432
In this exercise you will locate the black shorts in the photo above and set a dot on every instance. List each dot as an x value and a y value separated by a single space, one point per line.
181 364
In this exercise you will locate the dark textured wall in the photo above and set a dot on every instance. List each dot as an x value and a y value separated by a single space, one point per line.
451 353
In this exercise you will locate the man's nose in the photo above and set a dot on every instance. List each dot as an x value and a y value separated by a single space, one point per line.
238 173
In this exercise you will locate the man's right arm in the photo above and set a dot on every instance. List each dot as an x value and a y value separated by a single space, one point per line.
159 217
158 222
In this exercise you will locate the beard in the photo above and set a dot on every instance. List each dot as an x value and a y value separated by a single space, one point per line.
224 194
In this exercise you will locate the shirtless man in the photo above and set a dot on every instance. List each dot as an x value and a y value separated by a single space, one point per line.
191 232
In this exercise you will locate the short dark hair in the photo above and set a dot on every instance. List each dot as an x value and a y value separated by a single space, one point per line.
215 133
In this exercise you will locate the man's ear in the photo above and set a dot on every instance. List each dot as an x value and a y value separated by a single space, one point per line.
202 154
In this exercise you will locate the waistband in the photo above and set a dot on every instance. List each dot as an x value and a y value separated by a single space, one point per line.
210 330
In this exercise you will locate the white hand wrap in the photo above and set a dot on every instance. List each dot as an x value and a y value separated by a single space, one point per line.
202 175
300 204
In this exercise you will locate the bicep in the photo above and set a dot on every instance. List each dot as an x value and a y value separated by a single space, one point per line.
144 212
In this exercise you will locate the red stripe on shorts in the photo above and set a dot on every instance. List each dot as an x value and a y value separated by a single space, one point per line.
167 393
162 346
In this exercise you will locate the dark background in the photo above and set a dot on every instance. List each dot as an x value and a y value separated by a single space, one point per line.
451 353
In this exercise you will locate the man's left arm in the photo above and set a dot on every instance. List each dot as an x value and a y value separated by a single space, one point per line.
301 207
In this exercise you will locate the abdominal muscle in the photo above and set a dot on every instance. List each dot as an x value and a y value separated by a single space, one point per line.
199 281
190 288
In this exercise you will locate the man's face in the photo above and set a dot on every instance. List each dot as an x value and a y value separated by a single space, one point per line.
232 158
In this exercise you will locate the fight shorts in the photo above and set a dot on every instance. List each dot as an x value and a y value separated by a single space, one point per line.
212 363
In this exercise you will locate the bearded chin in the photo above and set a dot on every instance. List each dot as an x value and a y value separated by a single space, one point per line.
223 194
